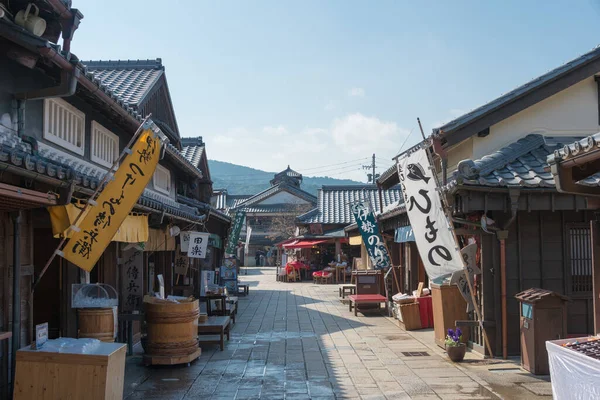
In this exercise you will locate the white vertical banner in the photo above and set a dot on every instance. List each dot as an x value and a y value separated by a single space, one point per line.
185 241
198 244
459 278
248 234
433 236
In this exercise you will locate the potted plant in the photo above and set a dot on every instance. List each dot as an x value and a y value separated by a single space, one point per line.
454 347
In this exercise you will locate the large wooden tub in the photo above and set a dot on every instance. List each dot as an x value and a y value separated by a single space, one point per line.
97 323
172 329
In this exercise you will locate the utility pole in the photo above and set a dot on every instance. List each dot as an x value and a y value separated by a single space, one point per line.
374 168
371 177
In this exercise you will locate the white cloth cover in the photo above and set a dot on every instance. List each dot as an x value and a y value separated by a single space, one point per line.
574 376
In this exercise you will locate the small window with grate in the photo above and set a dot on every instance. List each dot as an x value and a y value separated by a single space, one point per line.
64 125
162 179
105 145
580 258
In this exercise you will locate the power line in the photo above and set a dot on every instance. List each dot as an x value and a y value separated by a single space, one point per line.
330 165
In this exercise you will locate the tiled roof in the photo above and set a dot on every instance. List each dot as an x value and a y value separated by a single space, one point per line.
182 160
333 205
275 189
522 164
581 147
389 177
223 201
520 91
269 208
131 80
193 148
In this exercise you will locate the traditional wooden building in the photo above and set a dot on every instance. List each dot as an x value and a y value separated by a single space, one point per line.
333 217
62 125
492 163
271 213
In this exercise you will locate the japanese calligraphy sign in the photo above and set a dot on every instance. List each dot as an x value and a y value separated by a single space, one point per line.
369 230
198 244
433 236
114 203
234 235
185 241
132 279
469 254
182 262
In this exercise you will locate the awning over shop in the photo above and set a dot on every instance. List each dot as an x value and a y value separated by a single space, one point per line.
134 228
160 240
304 243
404 234
355 240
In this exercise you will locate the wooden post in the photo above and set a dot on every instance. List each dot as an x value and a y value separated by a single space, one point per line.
467 277
595 238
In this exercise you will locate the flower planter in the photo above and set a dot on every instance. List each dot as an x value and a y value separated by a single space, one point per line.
456 353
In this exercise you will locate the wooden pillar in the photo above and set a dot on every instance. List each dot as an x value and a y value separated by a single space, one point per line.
338 248
595 236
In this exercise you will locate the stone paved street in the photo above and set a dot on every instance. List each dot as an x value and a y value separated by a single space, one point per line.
298 341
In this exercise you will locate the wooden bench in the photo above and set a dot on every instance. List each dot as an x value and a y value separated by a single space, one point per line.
357 299
213 331
347 289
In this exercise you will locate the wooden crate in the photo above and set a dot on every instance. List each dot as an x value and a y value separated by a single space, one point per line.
43 375
448 307
411 317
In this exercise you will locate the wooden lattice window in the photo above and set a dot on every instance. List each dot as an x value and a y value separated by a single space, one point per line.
64 125
580 258
162 179
105 145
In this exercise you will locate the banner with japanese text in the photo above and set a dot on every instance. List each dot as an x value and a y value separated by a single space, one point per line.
431 228
132 279
198 244
182 262
234 235
369 230
114 203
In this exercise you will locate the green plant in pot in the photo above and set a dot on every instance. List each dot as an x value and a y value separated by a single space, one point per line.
454 347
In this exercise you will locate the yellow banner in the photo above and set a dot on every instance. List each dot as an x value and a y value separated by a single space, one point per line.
114 203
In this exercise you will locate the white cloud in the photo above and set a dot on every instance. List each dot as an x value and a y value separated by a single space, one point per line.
354 132
273 147
356 92
275 130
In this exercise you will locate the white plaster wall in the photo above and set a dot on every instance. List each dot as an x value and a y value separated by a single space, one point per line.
283 198
572 112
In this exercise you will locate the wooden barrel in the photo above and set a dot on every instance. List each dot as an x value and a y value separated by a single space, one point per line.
97 323
171 328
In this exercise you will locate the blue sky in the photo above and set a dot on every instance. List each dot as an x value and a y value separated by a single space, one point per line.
315 83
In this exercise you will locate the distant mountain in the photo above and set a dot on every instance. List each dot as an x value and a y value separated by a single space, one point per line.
238 179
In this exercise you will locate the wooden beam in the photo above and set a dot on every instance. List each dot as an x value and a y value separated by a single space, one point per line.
595 236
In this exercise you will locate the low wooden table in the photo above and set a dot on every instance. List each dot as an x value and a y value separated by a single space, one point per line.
350 289
213 331
357 299
245 289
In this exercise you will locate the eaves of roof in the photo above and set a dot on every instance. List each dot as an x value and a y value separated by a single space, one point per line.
275 189
523 164
181 160
389 178
520 92
203 206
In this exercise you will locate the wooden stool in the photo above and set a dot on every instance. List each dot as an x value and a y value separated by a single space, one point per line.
349 289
